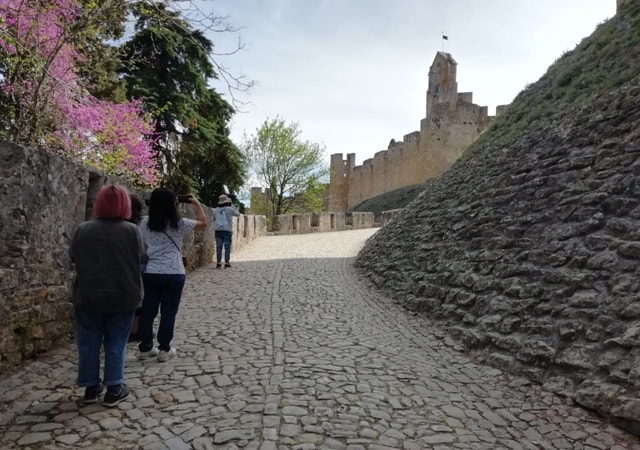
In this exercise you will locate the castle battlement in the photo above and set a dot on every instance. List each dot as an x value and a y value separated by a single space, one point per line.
451 123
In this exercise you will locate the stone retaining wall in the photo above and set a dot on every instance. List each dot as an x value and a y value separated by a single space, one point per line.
42 199
387 216
321 222
529 253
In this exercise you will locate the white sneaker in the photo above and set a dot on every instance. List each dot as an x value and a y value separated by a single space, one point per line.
166 356
150 354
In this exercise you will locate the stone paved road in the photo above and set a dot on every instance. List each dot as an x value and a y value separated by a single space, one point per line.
287 350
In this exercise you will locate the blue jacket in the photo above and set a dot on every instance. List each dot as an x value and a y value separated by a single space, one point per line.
223 217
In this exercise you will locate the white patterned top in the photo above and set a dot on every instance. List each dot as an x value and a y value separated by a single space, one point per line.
164 256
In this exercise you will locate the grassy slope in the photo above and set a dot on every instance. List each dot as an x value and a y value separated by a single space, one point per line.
604 61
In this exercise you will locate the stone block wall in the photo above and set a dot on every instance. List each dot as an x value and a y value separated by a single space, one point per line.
302 223
447 134
199 247
338 192
359 220
248 228
43 198
388 216
321 222
389 169
529 253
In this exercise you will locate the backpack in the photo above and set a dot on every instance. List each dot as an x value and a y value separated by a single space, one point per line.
221 221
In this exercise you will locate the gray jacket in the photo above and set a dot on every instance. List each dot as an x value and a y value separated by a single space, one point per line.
108 255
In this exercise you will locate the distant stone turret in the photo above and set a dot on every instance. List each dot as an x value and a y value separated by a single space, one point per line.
340 178
451 123
443 88
452 120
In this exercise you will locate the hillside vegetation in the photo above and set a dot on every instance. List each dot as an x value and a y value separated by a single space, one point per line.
528 248
603 62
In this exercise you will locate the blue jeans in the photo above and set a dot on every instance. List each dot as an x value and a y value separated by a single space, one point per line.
93 331
162 293
223 239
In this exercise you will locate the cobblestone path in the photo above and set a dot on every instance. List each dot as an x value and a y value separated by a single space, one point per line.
287 350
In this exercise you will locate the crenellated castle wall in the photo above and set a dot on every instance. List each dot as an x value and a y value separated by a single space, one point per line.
380 174
447 133
452 122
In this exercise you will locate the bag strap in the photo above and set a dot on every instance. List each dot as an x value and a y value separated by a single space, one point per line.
173 242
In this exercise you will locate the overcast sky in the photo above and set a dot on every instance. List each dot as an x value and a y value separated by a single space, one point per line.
353 73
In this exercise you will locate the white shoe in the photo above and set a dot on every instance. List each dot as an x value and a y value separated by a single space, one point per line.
150 354
166 356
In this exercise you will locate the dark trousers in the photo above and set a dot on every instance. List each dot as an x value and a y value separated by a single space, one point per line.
95 331
223 239
162 293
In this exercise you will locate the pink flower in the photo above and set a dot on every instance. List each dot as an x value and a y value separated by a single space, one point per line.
115 138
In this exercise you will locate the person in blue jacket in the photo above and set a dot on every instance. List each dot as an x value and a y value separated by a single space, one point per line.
223 226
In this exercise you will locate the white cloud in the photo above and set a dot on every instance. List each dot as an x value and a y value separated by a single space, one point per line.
353 73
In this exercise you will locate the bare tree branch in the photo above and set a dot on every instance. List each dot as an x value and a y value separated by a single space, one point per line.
209 22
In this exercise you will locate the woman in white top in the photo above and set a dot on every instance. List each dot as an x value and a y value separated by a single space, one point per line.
164 275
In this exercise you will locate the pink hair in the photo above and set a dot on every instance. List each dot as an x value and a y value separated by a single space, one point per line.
113 202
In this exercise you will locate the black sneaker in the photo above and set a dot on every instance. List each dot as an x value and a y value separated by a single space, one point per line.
92 393
111 399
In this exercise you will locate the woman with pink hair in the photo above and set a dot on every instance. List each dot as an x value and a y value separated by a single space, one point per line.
108 252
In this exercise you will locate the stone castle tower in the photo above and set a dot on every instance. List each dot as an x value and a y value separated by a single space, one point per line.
452 122
443 88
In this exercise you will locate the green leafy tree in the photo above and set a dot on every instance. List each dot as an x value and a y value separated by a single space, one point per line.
225 164
312 200
169 66
291 170
106 25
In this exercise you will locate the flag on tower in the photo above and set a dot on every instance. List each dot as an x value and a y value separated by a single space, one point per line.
445 37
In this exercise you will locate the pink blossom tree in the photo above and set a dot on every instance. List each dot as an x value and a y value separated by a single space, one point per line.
45 102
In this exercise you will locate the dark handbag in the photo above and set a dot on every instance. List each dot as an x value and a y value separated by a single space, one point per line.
184 258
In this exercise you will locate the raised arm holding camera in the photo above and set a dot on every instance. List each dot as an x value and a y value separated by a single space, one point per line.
164 275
